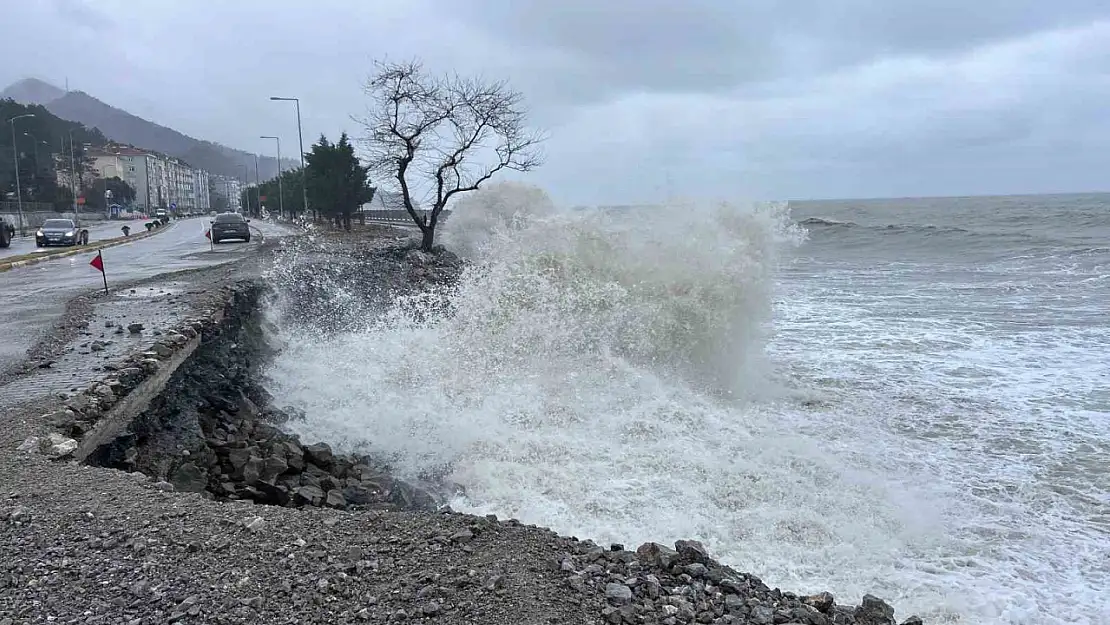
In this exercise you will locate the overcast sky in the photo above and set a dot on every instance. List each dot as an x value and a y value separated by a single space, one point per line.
710 98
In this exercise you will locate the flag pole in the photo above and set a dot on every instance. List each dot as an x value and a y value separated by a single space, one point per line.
103 274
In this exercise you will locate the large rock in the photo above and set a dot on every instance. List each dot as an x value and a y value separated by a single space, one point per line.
294 456
411 497
617 594
311 495
657 555
238 458
874 611
189 478
335 499
359 495
320 454
692 551
278 495
78 402
57 446
824 602
272 467
247 408
252 470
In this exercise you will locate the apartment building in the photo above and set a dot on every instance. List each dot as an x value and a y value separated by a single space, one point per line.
136 167
200 190
159 181
228 188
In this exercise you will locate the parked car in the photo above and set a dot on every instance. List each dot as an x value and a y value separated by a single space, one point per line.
230 226
7 233
61 232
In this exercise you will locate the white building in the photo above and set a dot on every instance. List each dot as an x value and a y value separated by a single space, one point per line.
200 190
159 181
144 171
228 188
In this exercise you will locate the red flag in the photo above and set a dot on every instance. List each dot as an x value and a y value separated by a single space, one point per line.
208 234
97 262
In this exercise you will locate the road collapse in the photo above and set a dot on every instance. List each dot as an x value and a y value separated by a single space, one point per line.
192 414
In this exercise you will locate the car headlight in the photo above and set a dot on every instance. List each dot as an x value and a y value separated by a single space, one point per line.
70 233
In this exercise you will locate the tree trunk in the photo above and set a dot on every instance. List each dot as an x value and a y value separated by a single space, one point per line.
429 238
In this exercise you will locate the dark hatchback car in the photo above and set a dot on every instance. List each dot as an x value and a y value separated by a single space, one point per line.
230 226
61 232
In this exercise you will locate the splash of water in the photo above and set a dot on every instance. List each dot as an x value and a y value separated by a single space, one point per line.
597 376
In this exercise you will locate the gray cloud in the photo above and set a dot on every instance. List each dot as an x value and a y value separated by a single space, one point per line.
715 45
702 97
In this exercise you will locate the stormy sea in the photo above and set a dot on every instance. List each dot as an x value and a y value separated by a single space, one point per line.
907 397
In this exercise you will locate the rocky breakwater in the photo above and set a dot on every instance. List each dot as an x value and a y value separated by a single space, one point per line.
210 427
657 584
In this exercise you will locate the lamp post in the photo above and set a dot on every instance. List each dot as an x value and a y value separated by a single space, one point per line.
281 194
257 187
15 154
300 141
72 175
245 192
35 146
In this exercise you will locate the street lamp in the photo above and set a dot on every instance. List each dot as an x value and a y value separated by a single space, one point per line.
281 194
257 187
72 173
245 194
300 140
15 153
35 146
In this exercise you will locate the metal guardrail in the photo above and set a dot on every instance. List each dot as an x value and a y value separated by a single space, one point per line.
398 217
392 221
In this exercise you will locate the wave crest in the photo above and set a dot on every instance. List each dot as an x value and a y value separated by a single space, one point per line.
679 289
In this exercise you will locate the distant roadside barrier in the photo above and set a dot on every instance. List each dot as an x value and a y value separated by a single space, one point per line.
397 217
34 215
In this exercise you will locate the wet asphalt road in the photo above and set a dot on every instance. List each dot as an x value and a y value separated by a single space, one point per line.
32 298
97 232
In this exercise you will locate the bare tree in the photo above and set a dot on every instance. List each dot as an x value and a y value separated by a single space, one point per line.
440 136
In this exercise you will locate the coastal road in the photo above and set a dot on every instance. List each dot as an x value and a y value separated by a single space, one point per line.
35 296
98 231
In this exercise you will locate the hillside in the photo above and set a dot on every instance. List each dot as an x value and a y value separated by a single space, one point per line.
31 91
52 136
123 127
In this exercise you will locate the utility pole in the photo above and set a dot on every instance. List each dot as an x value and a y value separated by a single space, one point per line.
245 194
281 194
300 140
72 172
15 160
35 146
257 187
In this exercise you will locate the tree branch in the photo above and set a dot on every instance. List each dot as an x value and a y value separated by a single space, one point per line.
464 131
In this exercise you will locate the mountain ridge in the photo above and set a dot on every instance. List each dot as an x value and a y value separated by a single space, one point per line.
124 127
